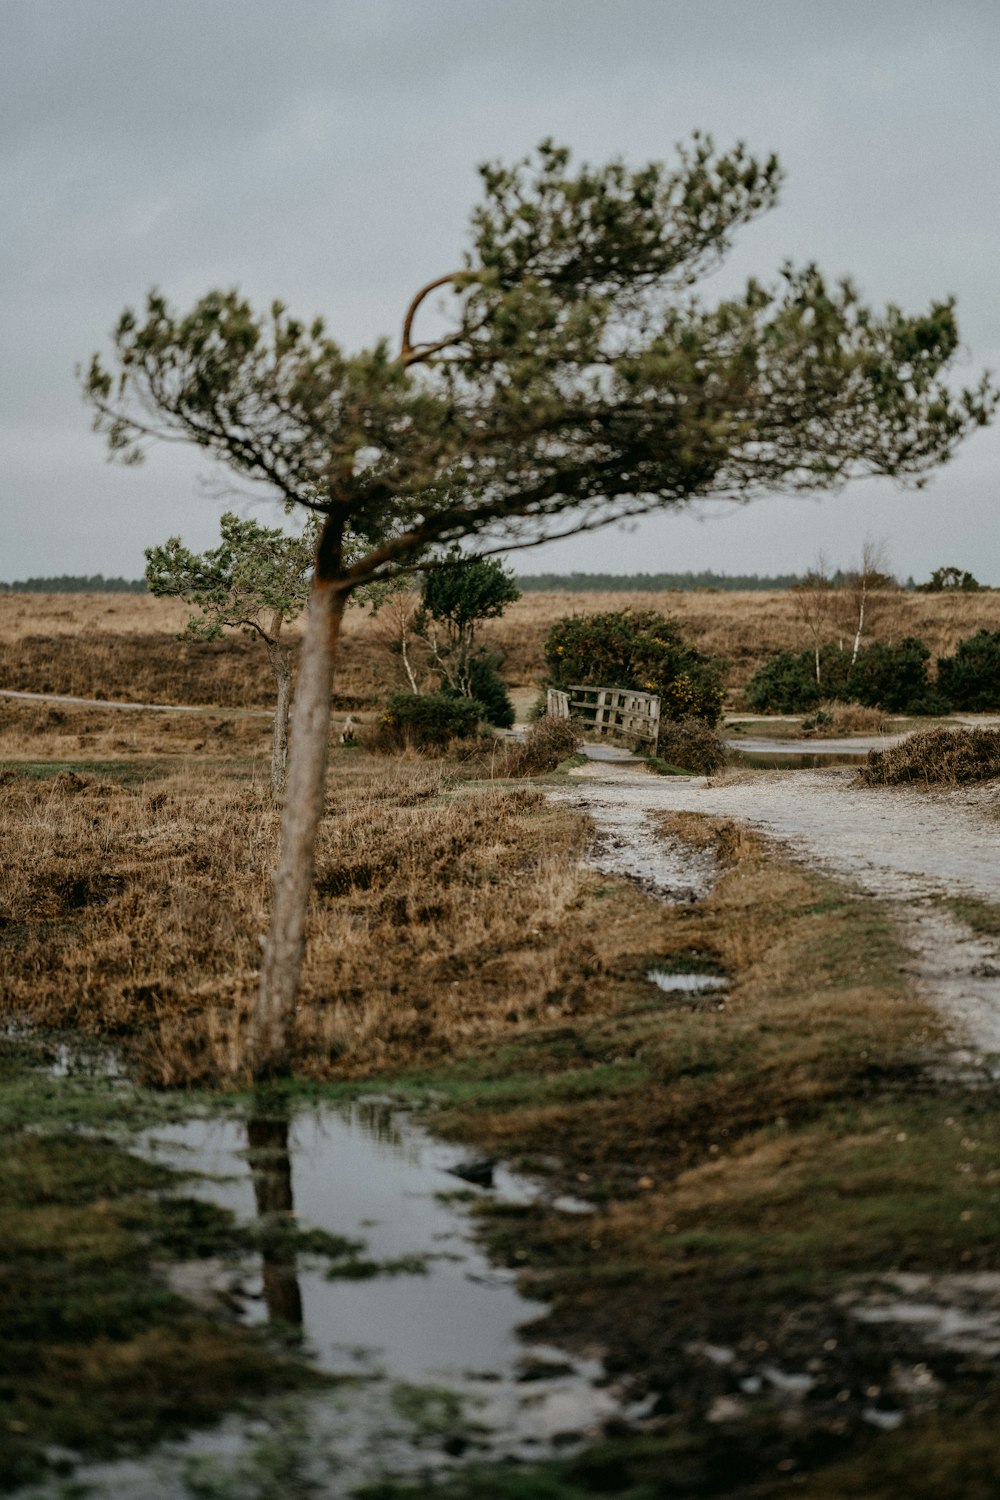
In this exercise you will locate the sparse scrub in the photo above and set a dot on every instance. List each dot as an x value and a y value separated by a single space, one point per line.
547 742
938 755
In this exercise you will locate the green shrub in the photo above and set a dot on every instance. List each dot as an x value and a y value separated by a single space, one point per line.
421 720
787 683
637 649
893 678
970 679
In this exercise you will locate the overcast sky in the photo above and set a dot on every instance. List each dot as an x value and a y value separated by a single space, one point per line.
324 151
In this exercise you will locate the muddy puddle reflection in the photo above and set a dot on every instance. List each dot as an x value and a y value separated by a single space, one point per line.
368 1258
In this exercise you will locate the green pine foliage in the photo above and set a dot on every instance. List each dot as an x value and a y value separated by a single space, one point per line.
970 680
459 592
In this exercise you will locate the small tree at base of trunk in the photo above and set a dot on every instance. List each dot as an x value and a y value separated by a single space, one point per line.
256 581
577 382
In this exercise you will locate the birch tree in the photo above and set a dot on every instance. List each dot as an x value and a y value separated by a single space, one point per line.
574 378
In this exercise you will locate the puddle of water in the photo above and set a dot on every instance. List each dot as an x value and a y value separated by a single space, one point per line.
794 760
628 843
808 755
689 984
434 1360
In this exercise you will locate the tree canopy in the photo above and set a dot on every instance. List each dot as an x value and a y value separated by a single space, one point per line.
579 378
256 580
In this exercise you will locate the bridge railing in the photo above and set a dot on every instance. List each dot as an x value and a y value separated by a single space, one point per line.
609 711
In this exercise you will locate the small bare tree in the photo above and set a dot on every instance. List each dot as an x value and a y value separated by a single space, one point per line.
813 601
396 611
865 593
255 581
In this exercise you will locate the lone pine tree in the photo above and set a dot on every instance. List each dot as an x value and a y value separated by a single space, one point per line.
578 381
256 580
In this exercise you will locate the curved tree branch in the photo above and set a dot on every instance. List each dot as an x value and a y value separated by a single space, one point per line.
408 352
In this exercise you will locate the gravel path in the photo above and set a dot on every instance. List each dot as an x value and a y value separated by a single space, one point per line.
906 847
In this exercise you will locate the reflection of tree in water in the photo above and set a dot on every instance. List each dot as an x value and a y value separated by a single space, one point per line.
271 1166
378 1118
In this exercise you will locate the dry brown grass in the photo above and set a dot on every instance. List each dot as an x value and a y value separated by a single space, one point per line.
444 919
124 647
71 732
834 718
939 756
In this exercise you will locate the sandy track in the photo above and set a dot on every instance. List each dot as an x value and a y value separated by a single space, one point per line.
906 847
149 708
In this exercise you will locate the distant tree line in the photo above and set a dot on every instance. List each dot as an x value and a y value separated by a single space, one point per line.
67 583
650 583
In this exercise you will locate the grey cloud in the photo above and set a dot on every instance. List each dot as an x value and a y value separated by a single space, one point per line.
324 151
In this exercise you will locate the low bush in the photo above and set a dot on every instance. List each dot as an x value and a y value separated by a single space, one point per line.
691 745
547 742
638 649
425 720
937 755
893 678
970 679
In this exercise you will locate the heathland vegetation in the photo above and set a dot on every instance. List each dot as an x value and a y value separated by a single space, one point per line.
462 952
458 949
126 648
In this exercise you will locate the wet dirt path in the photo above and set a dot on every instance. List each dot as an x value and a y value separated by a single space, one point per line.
909 848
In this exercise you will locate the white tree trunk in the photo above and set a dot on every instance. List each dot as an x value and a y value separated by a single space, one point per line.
861 624
274 1017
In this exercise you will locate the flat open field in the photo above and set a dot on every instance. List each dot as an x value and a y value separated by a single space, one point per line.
748 1172
124 646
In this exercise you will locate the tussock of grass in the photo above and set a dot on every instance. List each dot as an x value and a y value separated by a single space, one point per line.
835 718
938 756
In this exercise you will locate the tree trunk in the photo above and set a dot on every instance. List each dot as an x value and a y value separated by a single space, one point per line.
861 625
271 1166
274 1017
281 666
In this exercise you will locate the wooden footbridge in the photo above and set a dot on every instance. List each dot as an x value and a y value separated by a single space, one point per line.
617 712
